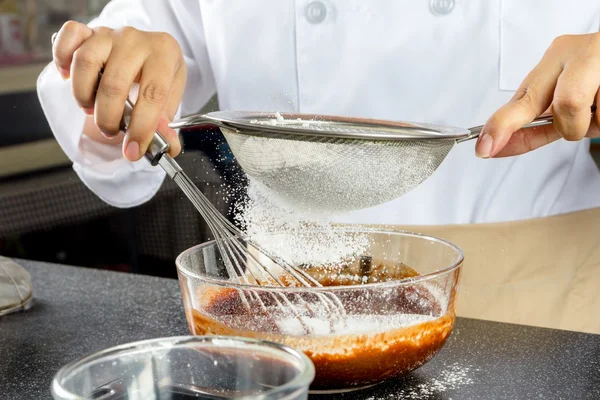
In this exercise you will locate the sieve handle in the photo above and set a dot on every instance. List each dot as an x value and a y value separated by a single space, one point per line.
198 122
539 121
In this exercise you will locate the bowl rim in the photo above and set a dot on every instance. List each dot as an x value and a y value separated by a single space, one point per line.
302 381
379 285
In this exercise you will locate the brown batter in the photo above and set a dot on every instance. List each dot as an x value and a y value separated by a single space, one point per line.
342 360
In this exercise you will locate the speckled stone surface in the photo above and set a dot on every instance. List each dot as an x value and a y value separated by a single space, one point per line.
79 311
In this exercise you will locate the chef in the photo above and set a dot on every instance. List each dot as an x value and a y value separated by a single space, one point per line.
529 221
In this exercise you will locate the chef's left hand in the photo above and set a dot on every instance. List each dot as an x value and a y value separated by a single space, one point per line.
566 84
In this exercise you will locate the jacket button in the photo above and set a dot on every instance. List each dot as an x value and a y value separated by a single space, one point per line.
316 12
441 7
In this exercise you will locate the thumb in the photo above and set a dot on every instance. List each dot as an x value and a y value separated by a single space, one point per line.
523 140
527 139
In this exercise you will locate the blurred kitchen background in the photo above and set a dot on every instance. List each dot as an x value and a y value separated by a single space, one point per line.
46 213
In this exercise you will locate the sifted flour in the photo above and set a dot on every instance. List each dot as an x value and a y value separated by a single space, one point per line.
335 173
451 378
357 324
297 236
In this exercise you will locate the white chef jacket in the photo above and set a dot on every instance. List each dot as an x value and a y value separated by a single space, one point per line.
439 61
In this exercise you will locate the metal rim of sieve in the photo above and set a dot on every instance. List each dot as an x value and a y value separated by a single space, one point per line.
318 126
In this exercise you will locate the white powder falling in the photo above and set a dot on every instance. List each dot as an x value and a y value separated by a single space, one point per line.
296 236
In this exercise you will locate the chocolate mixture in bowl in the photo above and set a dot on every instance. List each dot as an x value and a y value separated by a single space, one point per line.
384 333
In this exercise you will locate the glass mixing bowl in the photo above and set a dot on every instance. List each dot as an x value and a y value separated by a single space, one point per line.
188 367
383 314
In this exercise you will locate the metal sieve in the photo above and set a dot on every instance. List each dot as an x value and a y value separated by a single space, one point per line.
335 163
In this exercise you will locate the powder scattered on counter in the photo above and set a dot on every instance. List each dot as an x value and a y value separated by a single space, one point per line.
451 378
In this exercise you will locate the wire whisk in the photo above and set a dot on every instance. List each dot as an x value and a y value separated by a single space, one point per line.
240 256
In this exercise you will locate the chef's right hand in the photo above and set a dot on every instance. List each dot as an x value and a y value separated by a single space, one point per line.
153 60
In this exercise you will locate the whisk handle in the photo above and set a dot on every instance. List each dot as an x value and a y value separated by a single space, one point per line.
158 147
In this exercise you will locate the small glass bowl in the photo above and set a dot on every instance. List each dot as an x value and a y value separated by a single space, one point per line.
188 367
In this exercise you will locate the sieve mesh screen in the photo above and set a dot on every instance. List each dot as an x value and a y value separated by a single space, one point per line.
336 174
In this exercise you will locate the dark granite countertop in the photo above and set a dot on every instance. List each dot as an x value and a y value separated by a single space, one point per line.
79 311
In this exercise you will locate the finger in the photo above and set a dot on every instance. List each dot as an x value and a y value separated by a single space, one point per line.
528 139
170 135
574 96
88 60
596 115
68 39
155 86
177 89
530 100
156 82
594 131
173 103
120 72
